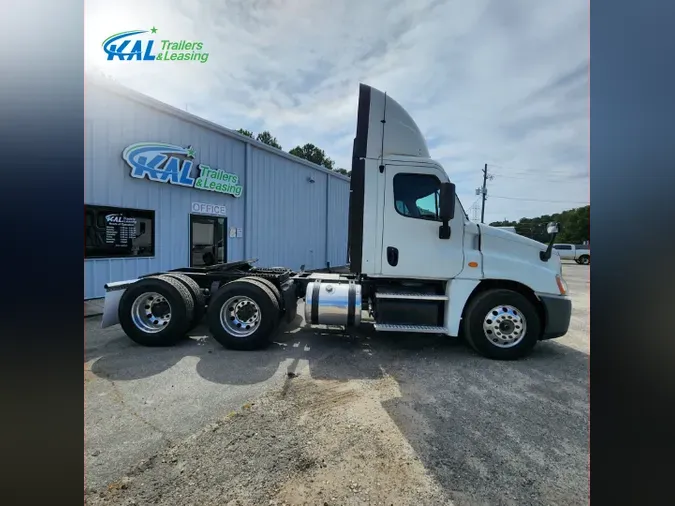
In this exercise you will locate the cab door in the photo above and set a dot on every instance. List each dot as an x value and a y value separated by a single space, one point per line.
411 247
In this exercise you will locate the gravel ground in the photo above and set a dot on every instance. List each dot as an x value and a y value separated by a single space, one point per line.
362 418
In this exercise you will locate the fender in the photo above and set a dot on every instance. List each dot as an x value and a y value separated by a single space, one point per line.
458 292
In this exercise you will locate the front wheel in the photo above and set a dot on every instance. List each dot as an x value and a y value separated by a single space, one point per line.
502 324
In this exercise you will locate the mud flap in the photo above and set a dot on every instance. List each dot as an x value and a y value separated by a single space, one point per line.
113 294
288 294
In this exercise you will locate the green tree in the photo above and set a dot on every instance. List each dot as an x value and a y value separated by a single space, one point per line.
247 133
313 154
574 226
268 139
343 171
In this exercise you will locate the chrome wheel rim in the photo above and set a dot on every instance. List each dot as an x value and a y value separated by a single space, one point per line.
151 312
504 326
585 261
240 316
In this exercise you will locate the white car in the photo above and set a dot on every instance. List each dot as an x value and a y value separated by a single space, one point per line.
580 254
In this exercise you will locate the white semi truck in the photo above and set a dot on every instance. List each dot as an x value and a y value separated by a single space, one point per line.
417 265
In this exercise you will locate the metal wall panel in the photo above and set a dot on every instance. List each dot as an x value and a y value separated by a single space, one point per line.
338 221
288 213
286 219
113 123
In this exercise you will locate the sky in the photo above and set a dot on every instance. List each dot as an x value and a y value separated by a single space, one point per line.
487 81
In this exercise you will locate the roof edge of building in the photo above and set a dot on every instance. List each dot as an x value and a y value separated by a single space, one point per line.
119 89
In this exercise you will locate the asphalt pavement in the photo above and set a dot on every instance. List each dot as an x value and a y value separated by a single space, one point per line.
486 432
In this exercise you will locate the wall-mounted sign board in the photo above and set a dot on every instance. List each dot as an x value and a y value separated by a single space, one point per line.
169 163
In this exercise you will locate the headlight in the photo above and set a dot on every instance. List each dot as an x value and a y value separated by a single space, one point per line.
562 285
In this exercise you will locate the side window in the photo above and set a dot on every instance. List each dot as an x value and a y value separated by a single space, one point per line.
402 208
562 246
417 196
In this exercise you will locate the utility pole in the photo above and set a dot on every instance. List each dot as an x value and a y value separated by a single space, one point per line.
484 194
482 191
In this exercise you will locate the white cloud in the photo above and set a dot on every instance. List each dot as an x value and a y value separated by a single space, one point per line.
488 81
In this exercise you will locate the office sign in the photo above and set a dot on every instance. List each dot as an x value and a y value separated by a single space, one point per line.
168 163
214 209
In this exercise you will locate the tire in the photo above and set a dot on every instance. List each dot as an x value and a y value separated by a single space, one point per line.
477 326
585 260
577 261
197 297
271 286
247 298
146 327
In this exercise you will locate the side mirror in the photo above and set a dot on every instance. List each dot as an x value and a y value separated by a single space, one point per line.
552 228
446 209
447 202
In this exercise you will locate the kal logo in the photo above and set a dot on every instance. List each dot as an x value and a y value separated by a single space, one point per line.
118 219
124 47
135 45
168 163
161 162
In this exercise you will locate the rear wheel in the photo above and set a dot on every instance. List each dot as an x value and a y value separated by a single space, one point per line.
156 311
243 314
585 260
502 324
272 287
197 297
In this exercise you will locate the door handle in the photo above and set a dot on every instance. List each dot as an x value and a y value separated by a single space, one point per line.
392 256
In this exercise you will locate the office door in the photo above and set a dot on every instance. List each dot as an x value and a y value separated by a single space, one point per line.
208 243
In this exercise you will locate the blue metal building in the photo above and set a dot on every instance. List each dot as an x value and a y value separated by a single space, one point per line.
166 189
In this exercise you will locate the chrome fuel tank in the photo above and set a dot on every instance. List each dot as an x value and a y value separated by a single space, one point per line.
333 303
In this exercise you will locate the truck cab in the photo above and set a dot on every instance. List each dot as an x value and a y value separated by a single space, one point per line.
400 240
417 264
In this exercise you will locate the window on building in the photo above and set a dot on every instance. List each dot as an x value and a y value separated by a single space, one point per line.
417 196
116 232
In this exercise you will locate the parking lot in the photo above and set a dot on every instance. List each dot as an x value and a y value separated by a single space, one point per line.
328 417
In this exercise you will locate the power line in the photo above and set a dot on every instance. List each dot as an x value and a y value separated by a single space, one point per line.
512 170
525 173
540 200
533 177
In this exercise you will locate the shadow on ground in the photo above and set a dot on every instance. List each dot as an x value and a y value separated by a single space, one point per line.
332 353
489 432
